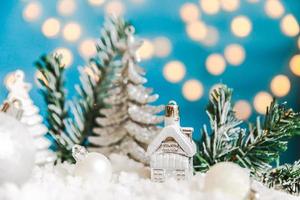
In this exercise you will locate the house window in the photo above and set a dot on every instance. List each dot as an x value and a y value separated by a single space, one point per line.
158 175
170 147
180 174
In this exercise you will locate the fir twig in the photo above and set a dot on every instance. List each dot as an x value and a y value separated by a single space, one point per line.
94 81
51 81
265 142
220 144
285 177
256 149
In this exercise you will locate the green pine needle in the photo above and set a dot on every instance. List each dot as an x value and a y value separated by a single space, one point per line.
256 148
51 82
285 177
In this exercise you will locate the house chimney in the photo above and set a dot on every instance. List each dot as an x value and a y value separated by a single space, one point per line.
172 114
188 131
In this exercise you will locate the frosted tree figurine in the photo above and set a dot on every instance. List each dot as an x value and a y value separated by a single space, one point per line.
129 123
171 152
19 90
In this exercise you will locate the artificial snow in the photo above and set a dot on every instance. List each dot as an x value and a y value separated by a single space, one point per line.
130 182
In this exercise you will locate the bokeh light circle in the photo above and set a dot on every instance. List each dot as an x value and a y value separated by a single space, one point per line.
189 12
87 48
96 2
280 85
39 76
115 7
162 46
242 109
67 56
51 27
289 25
210 7
241 26
192 90
274 8
72 31
32 11
212 36
230 5
261 101
253 1
215 64
215 87
146 51
196 30
174 71
66 7
235 54
295 64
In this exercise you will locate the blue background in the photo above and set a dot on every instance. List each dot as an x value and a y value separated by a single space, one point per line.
268 51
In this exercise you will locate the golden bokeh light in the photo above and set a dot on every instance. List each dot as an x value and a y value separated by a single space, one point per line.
289 25
230 5
280 85
9 80
72 31
261 101
146 51
174 71
51 27
215 64
87 48
253 1
242 109
115 7
210 7
196 30
241 26
235 54
215 87
96 2
189 12
212 36
67 56
162 46
91 73
295 64
66 7
137 1
32 11
274 8
192 90
40 77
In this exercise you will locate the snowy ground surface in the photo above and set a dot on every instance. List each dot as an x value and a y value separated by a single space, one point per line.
130 182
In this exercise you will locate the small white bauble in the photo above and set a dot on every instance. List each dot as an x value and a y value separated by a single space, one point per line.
17 152
228 178
94 167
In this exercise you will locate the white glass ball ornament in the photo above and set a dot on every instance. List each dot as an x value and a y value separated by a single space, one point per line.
17 152
228 178
92 167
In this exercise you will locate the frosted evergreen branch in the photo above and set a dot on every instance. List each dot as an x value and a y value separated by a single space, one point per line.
256 148
285 177
220 144
51 82
264 143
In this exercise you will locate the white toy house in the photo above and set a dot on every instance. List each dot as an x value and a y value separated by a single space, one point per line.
172 150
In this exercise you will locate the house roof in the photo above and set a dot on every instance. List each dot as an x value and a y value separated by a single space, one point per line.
173 131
